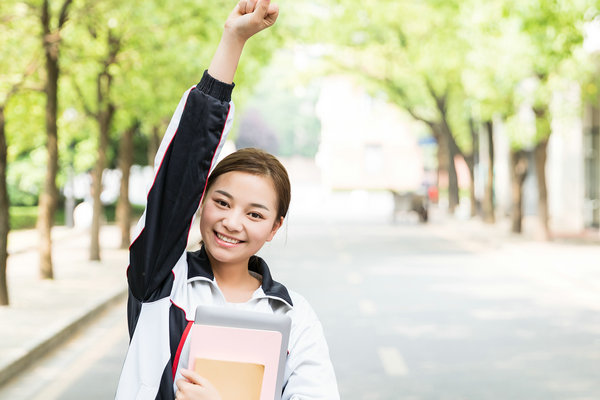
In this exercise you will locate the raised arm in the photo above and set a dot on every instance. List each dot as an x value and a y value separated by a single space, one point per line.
189 148
247 19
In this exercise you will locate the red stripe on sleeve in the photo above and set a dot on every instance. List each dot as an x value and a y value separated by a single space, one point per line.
180 347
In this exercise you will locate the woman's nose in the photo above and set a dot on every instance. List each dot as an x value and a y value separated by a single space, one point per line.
233 221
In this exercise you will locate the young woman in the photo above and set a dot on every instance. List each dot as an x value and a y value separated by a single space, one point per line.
242 205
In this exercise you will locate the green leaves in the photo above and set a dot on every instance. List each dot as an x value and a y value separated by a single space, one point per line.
471 54
163 48
475 53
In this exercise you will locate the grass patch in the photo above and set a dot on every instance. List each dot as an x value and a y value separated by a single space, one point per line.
25 217
110 212
22 217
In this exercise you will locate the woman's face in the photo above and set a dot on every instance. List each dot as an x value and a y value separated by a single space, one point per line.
238 215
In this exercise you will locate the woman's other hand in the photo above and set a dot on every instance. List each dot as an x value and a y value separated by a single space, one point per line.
195 387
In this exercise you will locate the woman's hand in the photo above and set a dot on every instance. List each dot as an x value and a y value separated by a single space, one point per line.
195 387
250 17
247 19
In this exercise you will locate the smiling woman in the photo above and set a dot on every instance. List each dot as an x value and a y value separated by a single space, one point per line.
242 205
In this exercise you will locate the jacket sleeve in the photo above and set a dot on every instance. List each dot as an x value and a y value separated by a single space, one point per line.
309 372
186 155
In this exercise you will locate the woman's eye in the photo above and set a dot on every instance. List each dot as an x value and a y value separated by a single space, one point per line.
255 215
222 203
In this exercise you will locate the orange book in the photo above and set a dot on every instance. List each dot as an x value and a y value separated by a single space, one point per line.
233 380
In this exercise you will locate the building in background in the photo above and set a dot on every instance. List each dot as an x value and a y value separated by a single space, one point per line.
367 143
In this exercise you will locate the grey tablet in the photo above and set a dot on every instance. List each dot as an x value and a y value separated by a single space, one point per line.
245 319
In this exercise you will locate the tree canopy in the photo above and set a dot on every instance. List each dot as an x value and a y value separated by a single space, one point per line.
446 62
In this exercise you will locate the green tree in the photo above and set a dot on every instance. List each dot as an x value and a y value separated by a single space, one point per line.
100 26
53 21
416 54
5 97
157 53
554 30
13 76
126 46
4 205
457 65
497 61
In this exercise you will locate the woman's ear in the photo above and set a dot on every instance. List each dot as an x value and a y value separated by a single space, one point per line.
276 226
198 215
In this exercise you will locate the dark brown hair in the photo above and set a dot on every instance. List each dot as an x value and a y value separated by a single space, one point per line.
257 162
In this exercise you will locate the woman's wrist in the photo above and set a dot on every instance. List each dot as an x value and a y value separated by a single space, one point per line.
226 58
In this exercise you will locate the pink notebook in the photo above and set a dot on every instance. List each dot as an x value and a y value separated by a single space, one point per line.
249 340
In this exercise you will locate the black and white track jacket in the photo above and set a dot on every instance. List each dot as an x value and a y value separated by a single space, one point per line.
166 282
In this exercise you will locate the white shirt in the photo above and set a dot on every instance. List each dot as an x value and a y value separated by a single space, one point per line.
309 373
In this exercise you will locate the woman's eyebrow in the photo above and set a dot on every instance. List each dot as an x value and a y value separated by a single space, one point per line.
258 205
229 196
224 193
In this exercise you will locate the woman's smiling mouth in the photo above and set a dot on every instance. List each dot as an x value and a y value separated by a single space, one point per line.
226 239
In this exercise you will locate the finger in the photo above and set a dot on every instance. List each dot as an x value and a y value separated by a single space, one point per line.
272 14
241 7
250 6
193 377
273 9
181 383
262 7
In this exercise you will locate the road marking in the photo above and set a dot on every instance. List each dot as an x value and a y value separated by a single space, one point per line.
392 361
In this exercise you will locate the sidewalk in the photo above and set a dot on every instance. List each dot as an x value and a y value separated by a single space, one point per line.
44 313
479 232
566 264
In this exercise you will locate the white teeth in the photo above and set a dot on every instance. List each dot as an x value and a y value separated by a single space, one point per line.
228 240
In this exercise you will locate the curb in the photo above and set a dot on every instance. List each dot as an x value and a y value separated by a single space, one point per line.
54 339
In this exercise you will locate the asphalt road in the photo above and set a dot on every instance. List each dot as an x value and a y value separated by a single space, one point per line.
410 312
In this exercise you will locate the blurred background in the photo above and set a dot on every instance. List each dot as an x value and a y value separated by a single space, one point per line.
445 165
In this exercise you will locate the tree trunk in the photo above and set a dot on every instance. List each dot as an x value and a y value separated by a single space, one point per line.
542 124
104 115
442 159
452 148
488 197
97 205
519 165
471 159
49 196
123 205
540 155
104 121
472 197
453 151
447 167
4 214
453 190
